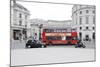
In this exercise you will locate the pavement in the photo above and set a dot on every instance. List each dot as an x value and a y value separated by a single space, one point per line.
37 56
18 44
90 44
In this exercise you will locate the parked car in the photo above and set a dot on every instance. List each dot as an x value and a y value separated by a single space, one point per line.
80 44
35 44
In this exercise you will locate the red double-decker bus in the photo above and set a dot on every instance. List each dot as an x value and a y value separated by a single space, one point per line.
59 36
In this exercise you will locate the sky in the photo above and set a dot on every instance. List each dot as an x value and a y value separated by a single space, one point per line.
48 11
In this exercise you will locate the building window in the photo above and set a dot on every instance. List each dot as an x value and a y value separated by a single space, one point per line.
93 28
80 35
93 11
87 28
20 15
80 12
76 20
16 34
87 37
80 28
93 19
80 6
25 25
87 20
93 35
76 14
20 23
87 11
25 16
80 20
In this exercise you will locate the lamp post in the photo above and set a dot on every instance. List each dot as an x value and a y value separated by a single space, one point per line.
25 33
40 27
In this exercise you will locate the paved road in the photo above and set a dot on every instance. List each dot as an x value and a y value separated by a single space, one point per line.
21 45
50 55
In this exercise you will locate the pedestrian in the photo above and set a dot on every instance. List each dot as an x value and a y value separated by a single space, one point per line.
34 38
20 37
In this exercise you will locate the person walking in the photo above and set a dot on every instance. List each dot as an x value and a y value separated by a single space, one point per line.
34 38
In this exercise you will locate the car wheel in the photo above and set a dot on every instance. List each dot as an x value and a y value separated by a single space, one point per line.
42 46
45 46
76 46
84 46
28 46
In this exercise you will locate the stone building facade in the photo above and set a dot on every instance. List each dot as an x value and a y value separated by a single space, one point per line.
83 19
19 21
36 27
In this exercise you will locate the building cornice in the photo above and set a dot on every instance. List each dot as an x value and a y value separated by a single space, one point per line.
82 9
26 12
